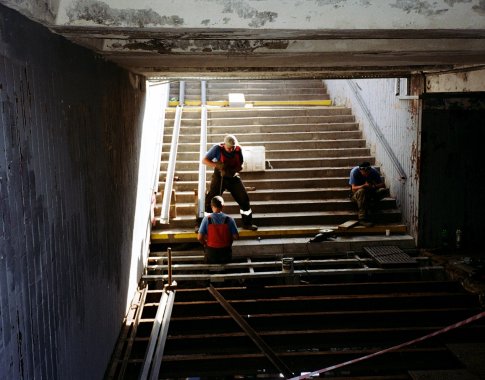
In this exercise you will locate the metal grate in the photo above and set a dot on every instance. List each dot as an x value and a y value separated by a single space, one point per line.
390 256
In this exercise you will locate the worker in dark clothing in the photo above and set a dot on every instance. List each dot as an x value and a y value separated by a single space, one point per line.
216 233
226 158
367 187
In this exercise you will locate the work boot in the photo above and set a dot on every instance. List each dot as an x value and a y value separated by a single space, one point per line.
250 227
365 222
247 221
383 193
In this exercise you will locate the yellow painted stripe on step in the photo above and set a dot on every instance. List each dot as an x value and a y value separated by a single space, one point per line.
357 230
225 103
161 236
197 103
291 103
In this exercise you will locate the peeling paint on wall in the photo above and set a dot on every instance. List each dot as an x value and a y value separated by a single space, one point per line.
456 82
480 8
453 2
101 13
262 14
334 3
244 10
198 46
425 8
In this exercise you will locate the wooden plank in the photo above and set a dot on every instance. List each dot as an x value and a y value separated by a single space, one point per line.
348 224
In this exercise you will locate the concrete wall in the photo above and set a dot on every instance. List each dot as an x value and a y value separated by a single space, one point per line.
465 81
397 121
70 135
275 14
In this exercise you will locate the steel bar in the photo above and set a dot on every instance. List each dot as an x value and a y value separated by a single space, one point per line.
132 335
254 264
157 358
268 352
157 323
321 272
170 266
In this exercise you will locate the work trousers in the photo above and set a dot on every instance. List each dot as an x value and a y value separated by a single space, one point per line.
217 255
236 187
365 197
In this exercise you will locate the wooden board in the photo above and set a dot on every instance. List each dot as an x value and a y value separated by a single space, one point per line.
348 224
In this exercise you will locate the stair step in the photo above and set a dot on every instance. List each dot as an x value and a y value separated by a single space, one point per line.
275 128
290 205
290 153
270 174
334 217
270 120
290 163
259 184
277 137
184 234
309 152
281 145
271 194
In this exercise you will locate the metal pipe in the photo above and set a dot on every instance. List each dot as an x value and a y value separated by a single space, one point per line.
262 345
181 93
169 253
157 358
202 167
157 324
203 93
167 193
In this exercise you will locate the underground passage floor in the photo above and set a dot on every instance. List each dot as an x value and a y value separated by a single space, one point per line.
366 320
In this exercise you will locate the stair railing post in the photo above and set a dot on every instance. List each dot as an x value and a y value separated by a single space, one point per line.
169 253
202 167
167 192
203 93
182 93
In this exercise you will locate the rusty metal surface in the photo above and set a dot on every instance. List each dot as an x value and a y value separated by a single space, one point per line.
390 256
262 345
310 327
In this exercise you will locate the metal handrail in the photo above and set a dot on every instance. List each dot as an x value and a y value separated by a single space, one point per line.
162 337
377 130
167 193
202 167
181 93
158 336
157 324
203 93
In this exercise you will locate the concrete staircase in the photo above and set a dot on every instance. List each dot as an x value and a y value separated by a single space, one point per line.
309 153
281 90
255 92
312 304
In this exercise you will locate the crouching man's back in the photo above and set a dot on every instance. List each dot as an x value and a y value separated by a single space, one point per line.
216 233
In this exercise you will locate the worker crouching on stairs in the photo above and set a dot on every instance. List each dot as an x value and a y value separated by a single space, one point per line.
217 232
227 159
367 187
